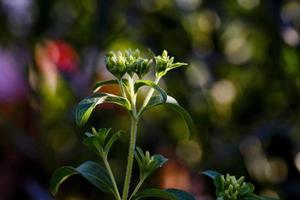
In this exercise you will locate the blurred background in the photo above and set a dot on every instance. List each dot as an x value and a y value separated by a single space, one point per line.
242 88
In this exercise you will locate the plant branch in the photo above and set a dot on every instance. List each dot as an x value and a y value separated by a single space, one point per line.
110 173
136 189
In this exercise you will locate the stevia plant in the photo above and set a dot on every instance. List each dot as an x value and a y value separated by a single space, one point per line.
129 69
230 188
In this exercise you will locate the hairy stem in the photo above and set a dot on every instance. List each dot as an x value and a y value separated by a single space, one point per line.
134 123
110 173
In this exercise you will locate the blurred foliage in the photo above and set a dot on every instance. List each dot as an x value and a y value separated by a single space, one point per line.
241 87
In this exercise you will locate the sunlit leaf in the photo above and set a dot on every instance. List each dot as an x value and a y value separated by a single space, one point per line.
87 105
141 83
91 171
172 103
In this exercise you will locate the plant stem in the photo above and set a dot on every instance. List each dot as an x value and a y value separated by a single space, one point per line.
110 173
136 189
122 88
149 95
134 123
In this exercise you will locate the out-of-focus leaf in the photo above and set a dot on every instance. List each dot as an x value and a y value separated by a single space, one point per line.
152 193
100 84
211 173
181 195
87 105
90 170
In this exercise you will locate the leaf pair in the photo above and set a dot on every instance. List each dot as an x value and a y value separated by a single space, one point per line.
89 170
99 142
230 188
87 105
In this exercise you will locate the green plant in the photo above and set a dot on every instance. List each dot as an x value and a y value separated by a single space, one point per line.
230 188
129 68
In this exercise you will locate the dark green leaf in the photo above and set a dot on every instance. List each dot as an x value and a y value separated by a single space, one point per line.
141 83
152 193
111 140
93 144
59 176
210 173
91 171
181 195
171 102
87 105
100 84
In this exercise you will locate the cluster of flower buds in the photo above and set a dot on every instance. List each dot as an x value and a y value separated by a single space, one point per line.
129 62
233 189
164 63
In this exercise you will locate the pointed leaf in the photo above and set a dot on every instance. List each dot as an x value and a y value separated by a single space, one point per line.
59 176
111 140
180 194
141 83
91 171
87 105
171 102
176 65
100 84
152 193
158 161
212 174
93 144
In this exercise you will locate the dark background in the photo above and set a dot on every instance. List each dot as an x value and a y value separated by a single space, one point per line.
242 88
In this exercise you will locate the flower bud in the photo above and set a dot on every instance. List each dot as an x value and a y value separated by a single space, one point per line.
116 64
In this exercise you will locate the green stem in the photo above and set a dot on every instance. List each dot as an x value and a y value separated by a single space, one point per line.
122 88
134 123
149 95
136 189
111 175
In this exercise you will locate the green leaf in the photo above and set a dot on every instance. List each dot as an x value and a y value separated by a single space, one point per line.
181 195
111 140
90 170
172 103
100 84
158 193
59 176
93 144
87 105
212 174
141 83
147 165
176 65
